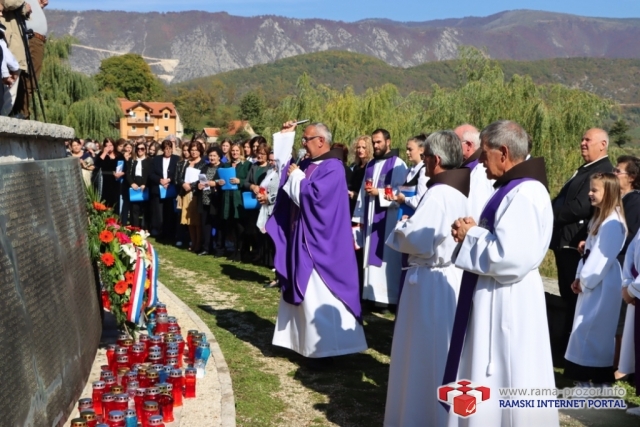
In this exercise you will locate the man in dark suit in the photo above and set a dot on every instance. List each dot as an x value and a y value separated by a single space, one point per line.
162 173
572 211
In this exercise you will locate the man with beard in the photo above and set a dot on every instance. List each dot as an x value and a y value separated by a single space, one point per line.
377 215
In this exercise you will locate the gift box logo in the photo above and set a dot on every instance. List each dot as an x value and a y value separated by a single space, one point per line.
463 396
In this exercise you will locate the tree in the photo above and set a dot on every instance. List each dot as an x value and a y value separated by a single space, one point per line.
252 106
129 76
73 99
618 133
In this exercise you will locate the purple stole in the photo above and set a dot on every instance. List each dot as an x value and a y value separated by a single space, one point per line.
376 247
468 286
636 329
472 165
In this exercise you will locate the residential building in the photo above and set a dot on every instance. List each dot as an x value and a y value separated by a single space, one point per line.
150 120
234 127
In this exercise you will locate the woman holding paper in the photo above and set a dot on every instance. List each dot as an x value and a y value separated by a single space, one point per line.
209 200
137 175
188 182
232 209
111 165
256 175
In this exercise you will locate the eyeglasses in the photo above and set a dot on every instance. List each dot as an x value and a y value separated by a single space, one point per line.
620 172
142 148
305 140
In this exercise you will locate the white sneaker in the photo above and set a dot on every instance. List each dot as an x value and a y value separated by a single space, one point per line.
634 411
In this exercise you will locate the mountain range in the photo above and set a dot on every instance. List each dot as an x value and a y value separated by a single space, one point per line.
185 45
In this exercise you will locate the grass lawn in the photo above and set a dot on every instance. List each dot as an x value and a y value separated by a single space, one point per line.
271 385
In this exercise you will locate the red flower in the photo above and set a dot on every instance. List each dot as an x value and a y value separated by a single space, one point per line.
132 228
128 277
99 207
107 259
122 238
111 222
105 300
106 236
126 307
121 287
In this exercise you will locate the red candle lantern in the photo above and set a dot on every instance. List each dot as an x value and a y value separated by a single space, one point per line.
98 390
190 383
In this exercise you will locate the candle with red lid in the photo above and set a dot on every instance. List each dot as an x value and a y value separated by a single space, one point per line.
190 383
388 191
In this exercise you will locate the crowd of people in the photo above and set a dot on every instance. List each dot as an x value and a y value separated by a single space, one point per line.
452 242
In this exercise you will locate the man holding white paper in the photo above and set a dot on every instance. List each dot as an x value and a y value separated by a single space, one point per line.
377 216
319 314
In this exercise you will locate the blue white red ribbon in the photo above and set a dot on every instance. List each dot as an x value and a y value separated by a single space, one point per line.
153 275
137 291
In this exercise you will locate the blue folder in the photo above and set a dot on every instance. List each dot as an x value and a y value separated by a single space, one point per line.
227 174
405 209
138 195
249 200
120 165
169 192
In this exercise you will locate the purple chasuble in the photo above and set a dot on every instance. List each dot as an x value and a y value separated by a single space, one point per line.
317 235
472 165
378 227
468 286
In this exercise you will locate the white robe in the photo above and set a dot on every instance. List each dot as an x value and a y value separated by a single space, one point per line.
426 310
321 326
507 341
421 187
627 364
592 341
480 190
381 284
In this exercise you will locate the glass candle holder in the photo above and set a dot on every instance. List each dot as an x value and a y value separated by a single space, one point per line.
166 407
155 421
107 404
176 380
78 422
190 383
116 419
139 401
130 418
150 409
98 390
90 417
121 402
85 403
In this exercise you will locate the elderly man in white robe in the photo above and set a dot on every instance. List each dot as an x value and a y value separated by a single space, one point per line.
377 216
481 186
501 315
428 300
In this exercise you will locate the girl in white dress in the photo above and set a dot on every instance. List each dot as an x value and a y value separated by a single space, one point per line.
589 356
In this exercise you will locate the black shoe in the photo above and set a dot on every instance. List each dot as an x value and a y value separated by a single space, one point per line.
320 363
271 285
203 253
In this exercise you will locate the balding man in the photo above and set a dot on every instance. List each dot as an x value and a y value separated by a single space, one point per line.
319 314
571 211
481 186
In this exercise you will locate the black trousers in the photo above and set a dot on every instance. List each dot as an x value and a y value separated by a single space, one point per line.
139 211
163 216
208 222
567 263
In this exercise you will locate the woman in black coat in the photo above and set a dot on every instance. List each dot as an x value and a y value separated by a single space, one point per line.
107 164
137 176
209 200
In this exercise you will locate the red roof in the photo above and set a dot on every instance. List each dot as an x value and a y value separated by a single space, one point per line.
212 132
154 108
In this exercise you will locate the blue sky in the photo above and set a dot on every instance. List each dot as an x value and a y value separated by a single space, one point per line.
353 10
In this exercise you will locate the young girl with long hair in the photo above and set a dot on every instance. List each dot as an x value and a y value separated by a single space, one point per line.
589 356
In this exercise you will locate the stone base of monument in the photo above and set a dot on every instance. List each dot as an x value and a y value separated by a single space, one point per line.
214 405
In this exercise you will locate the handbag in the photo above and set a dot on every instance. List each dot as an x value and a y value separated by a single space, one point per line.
168 193
249 200
138 195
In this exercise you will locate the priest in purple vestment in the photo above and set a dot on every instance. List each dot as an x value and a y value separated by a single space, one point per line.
319 314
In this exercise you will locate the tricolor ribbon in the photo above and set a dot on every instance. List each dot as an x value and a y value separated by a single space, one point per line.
153 275
137 291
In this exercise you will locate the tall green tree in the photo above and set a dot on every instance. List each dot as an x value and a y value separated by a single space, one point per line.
618 133
73 99
129 76
252 106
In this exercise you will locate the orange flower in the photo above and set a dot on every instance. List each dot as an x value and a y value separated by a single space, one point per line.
128 277
108 259
121 287
147 284
99 207
106 236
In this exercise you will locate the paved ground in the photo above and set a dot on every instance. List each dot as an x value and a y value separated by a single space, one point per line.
214 405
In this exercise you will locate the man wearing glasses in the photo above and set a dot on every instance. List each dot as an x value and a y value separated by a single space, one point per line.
319 314
377 216
572 210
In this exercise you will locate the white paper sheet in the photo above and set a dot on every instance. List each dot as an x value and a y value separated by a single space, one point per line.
282 147
192 175
204 181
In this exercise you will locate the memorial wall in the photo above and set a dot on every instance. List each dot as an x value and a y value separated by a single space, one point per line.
50 317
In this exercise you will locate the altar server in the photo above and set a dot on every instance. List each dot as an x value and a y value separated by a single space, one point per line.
319 314
501 314
589 356
481 187
377 215
428 301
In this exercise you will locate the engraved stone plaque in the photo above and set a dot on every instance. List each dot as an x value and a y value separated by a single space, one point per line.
50 314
